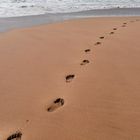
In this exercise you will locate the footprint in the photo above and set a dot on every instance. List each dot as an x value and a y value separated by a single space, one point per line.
69 78
15 136
124 25
114 28
98 43
87 50
56 104
111 33
27 121
84 62
102 37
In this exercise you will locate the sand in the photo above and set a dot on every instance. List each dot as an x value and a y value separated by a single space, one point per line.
92 65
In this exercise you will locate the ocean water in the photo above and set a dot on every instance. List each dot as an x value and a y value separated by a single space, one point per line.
13 8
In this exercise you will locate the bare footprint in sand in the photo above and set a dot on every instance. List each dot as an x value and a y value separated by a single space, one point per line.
84 62
15 136
87 50
56 104
97 43
124 25
69 78
102 37
111 33
27 121
114 28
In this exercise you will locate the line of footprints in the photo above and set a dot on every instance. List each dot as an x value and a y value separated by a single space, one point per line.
59 102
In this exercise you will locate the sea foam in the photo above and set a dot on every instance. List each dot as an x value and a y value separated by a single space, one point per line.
12 8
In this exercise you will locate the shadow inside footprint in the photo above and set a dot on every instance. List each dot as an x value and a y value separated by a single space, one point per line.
124 23
15 136
87 50
84 62
69 78
102 37
114 28
98 43
111 33
56 104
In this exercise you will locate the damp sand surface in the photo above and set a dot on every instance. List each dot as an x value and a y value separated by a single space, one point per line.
45 92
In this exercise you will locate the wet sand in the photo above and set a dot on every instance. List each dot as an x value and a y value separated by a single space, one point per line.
75 80
7 24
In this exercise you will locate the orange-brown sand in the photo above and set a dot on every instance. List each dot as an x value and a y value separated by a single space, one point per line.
100 87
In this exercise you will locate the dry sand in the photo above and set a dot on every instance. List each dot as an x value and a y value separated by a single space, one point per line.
101 96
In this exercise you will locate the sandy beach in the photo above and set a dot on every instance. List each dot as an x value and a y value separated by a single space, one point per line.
74 80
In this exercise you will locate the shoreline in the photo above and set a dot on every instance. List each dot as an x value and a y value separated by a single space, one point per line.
11 23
